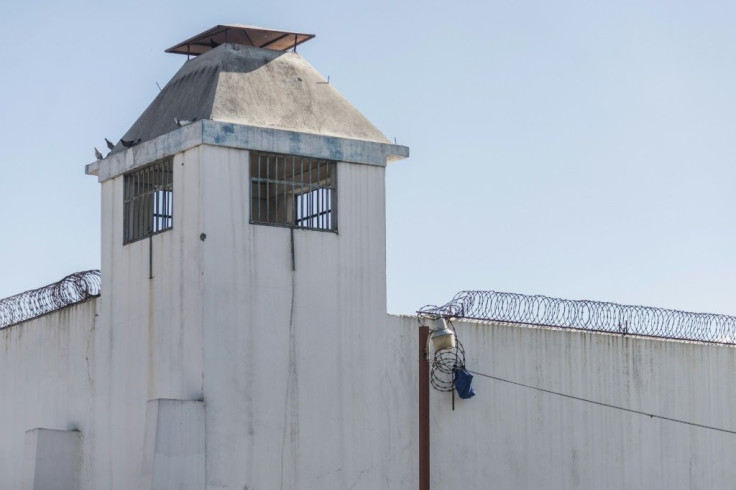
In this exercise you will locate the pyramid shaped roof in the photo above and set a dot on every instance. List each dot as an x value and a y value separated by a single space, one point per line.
252 86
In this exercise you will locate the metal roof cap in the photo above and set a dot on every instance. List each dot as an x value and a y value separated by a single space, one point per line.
259 37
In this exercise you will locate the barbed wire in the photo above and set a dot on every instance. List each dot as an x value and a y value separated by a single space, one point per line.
71 290
444 363
586 315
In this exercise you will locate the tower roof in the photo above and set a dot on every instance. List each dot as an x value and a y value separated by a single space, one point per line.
252 86
259 37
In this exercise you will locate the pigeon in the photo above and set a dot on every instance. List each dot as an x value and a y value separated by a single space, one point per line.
130 143
184 122
98 154
110 144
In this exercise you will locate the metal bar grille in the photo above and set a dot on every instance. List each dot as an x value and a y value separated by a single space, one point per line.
148 200
288 190
587 315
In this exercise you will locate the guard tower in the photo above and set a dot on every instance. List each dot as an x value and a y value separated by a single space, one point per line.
243 266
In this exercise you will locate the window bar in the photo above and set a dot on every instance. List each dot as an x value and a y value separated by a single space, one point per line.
323 198
134 199
268 186
290 191
139 218
156 207
314 197
301 189
146 200
158 191
276 190
259 185
333 207
284 189
294 188
149 201
320 203
126 208
310 204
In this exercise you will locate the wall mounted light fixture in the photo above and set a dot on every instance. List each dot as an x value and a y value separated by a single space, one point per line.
443 337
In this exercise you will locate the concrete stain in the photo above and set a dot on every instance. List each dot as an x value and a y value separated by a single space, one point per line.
290 438
151 338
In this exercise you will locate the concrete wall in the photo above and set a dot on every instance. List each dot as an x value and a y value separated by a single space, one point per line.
511 437
307 383
52 459
298 363
47 380
149 340
297 367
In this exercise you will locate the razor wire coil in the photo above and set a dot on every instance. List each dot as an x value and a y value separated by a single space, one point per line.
586 315
72 289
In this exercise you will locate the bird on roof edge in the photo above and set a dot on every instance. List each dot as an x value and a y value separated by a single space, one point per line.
98 154
110 144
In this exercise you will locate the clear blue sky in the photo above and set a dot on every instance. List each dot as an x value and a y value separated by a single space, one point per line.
573 149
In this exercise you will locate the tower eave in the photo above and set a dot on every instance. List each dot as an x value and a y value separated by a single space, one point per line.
217 133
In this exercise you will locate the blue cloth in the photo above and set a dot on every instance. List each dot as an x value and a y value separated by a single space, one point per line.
463 383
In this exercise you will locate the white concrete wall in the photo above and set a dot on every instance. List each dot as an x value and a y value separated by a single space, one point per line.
52 459
174 454
46 380
511 437
299 366
149 342
307 383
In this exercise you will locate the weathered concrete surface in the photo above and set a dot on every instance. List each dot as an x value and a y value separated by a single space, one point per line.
247 138
298 362
292 365
511 437
47 379
300 372
173 454
52 459
150 339
253 87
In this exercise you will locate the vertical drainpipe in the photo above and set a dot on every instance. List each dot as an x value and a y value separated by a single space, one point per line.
423 409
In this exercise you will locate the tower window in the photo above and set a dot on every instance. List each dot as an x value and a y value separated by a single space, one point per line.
288 190
148 200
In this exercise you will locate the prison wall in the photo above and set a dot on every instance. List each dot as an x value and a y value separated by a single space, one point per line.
511 436
47 380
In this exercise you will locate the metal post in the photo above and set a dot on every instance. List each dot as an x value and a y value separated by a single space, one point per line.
423 409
